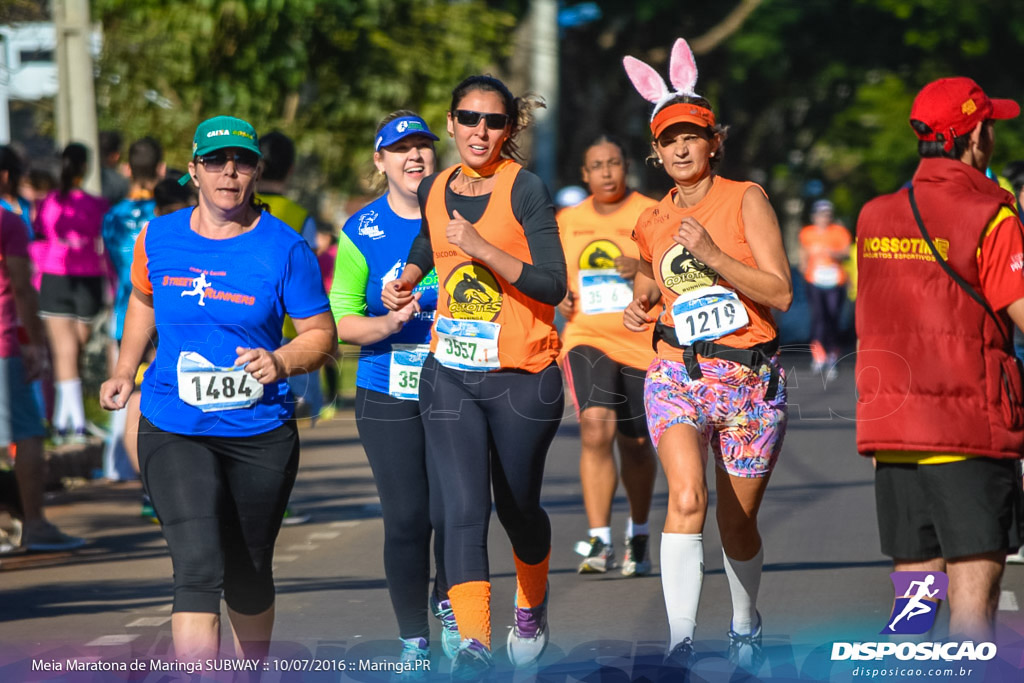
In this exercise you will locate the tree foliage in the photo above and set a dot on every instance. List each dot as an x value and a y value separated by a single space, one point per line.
813 90
322 72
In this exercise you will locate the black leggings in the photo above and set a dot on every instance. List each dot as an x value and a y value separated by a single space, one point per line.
826 306
489 429
220 501
392 434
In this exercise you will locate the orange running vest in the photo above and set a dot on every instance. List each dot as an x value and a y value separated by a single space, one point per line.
592 241
678 272
470 290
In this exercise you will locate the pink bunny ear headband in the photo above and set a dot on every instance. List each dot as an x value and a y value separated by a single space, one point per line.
682 71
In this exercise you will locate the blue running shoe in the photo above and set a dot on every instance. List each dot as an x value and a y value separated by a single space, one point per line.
745 651
450 640
414 661
472 662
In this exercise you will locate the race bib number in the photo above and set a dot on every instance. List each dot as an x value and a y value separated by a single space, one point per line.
708 313
603 291
210 388
404 373
826 275
467 344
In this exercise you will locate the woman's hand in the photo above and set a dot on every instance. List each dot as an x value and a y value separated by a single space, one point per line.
567 307
635 316
265 366
397 294
695 238
115 391
462 234
398 318
627 267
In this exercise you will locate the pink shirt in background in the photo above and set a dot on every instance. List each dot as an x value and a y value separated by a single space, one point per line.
326 260
13 243
70 227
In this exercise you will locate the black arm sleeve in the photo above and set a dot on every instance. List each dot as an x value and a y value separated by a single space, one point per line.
421 254
545 279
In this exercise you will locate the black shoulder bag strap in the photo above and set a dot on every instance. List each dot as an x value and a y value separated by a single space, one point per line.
952 273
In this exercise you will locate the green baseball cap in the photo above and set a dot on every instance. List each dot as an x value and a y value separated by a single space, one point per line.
220 132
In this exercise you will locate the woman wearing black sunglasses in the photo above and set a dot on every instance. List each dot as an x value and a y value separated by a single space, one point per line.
490 383
218 451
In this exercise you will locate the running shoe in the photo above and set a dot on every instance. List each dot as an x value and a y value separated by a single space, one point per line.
1016 558
414 662
745 651
293 517
442 610
529 635
147 512
46 537
472 661
681 657
598 556
637 560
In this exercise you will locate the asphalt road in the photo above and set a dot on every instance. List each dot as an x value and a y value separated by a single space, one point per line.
825 579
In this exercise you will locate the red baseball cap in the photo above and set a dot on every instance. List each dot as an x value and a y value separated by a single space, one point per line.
954 106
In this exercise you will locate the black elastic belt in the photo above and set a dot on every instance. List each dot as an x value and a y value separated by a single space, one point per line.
754 358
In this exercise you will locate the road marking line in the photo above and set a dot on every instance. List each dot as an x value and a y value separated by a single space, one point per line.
344 525
1008 602
285 558
305 547
324 535
149 621
105 641
165 608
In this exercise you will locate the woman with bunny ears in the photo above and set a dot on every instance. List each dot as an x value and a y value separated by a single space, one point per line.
712 252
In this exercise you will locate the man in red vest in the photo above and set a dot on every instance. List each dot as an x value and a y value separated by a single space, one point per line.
940 398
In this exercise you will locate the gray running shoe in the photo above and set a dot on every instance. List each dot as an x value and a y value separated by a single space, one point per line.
529 635
637 560
598 557
745 651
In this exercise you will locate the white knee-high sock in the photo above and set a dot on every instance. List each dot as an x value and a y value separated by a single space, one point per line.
744 582
682 575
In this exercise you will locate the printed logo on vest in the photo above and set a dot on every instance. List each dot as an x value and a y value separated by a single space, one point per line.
474 293
918 595
682 272
599 254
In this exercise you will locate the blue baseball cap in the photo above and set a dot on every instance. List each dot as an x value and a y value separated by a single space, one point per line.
402 127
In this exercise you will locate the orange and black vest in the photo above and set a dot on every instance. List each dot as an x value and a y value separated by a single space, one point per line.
934 371
469 290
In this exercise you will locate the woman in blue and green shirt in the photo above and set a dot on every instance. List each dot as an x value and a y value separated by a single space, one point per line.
372 250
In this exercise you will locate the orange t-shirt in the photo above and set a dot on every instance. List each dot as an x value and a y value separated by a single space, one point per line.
822 268
592 241
488 323
678 273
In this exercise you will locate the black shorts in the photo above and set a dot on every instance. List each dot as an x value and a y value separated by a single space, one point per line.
220 501
70 296
951 510
596 380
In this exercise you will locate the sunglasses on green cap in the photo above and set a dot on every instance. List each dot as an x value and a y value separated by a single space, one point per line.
219 133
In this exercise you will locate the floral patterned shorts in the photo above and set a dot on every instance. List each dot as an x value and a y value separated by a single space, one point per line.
726 407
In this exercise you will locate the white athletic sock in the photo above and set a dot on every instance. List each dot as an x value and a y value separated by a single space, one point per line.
72 396
634 529
682 574
602 532
61 414
744 582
